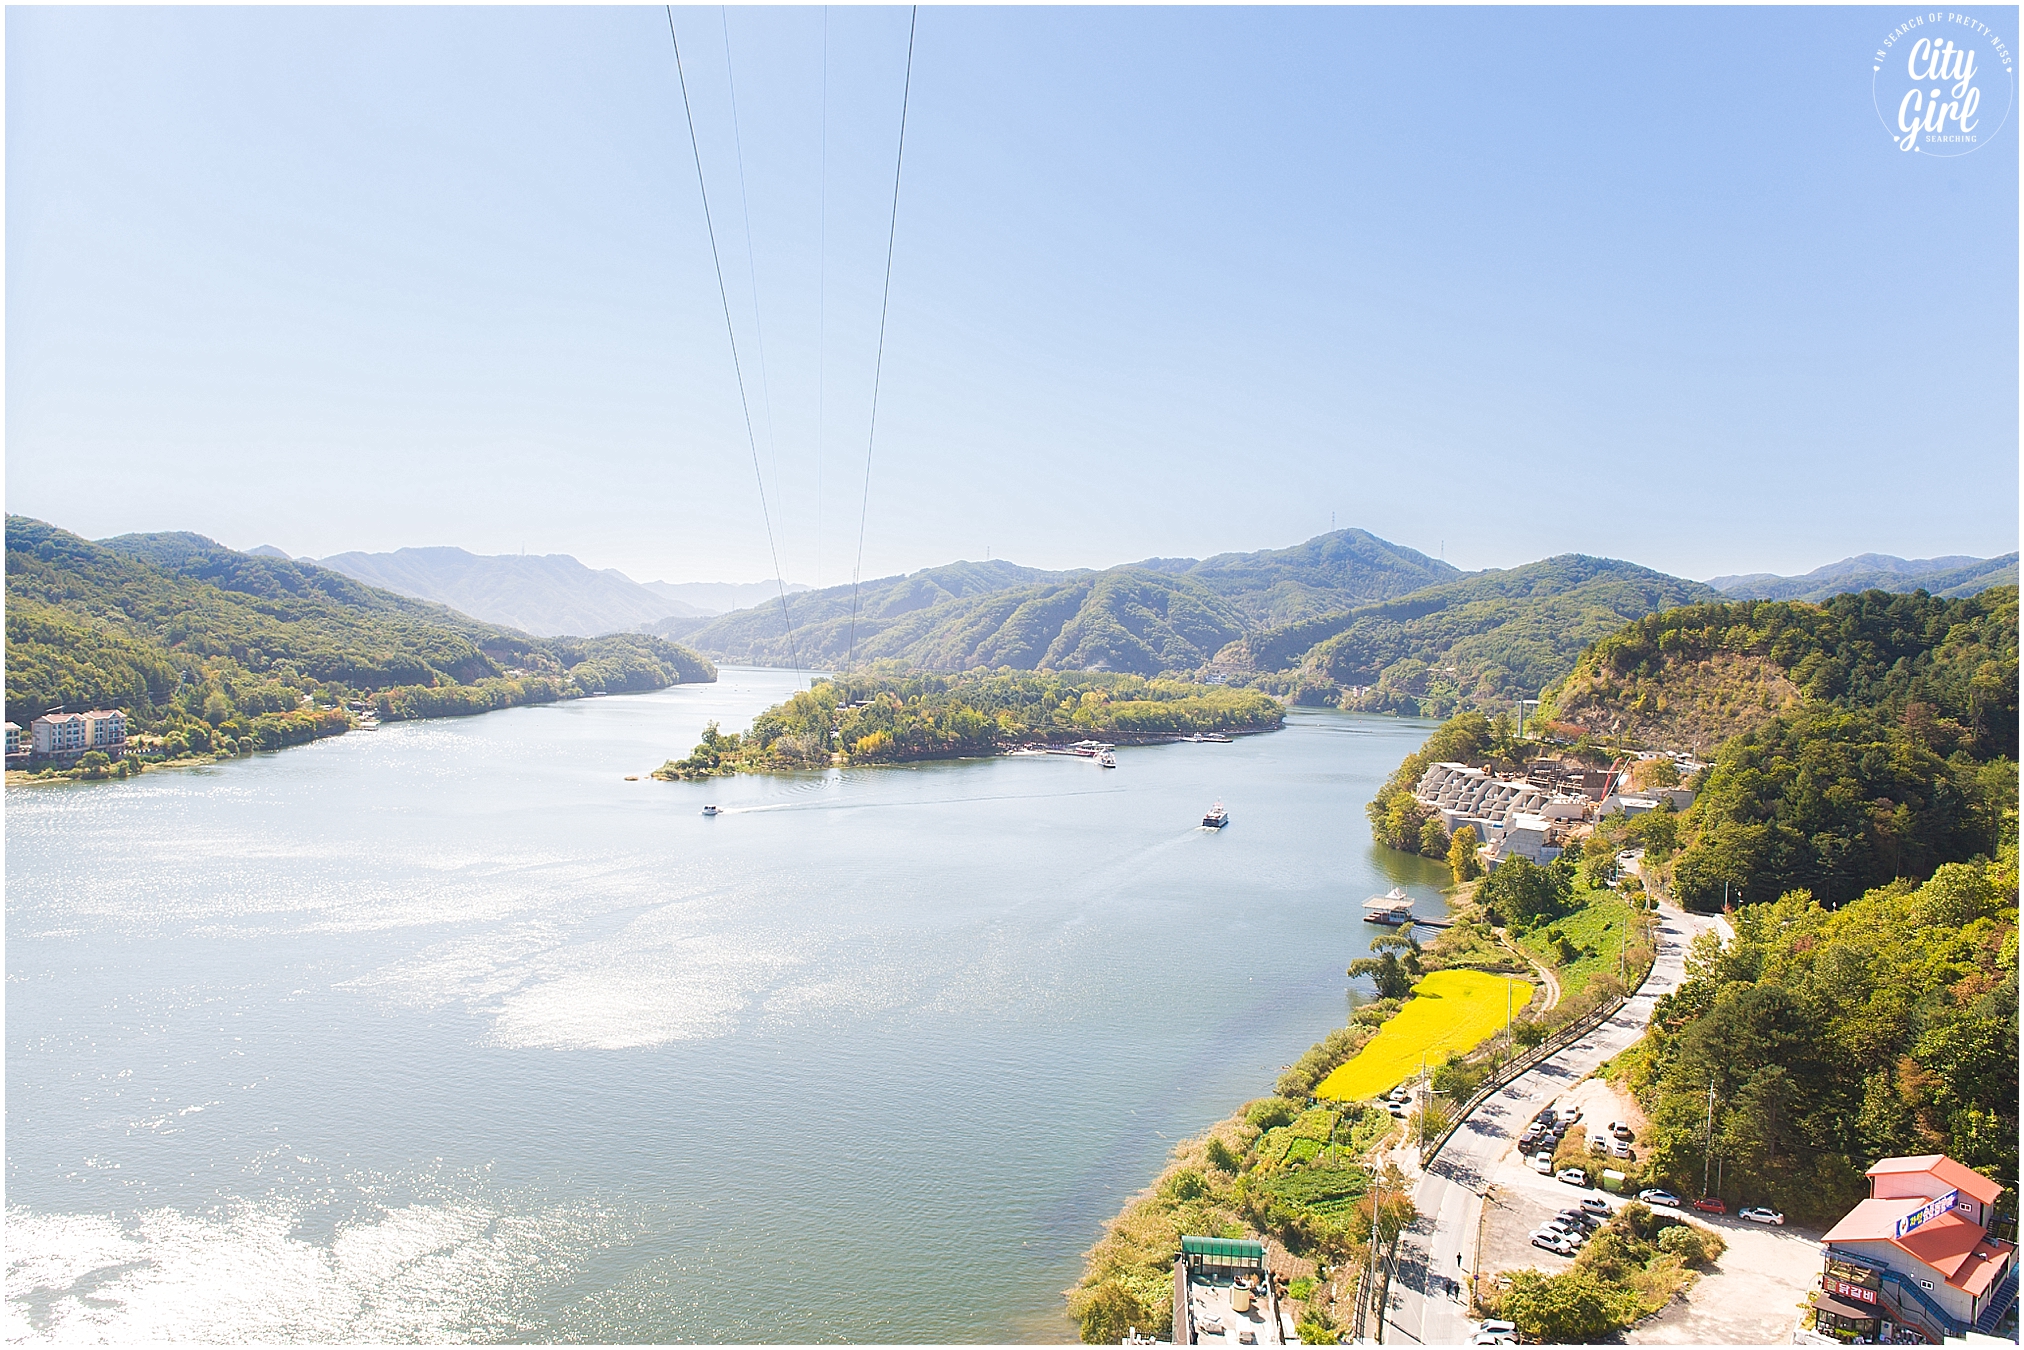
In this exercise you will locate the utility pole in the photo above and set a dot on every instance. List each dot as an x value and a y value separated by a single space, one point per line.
1708 1155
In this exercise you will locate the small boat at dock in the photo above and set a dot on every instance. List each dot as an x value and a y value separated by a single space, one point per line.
1392 909
1216 819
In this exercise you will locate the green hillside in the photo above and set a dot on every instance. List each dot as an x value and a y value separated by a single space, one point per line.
1482 640
888 717
175 629
1164 615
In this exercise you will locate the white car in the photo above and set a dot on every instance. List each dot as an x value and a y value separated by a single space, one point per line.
1573 1176
1761 1214
1595 1204
1497 1326
1553 1242
1542 1163
1656 1197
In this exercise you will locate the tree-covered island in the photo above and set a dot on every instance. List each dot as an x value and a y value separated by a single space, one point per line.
886 716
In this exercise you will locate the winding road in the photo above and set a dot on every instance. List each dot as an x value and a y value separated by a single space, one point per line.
1421 1309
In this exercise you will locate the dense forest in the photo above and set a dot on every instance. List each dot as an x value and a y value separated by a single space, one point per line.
889 716
1159 616
1481 641
1835 1037
198 643
1893 753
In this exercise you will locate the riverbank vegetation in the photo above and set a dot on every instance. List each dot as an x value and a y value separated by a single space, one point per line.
887 716
207 650
1303 1176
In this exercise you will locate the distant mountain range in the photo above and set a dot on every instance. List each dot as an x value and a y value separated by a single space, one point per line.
1346 617
548 595
1949 578
1163 614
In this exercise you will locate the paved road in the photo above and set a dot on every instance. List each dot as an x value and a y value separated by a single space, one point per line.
1421 1309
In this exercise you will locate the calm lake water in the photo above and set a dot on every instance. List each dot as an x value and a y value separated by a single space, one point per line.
447 1031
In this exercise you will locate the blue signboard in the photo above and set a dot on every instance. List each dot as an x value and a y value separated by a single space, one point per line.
1926 1213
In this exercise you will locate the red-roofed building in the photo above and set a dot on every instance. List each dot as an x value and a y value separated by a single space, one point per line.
1917 1254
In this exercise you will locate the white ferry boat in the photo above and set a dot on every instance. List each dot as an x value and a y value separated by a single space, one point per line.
1216 819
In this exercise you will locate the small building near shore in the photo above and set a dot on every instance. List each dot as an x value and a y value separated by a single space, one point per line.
1225 1295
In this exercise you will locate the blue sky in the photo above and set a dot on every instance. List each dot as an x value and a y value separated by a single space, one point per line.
1504 283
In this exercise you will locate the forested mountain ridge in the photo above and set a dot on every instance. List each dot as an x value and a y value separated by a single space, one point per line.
1161 615
1950 578
1483 639
1692 677
175 627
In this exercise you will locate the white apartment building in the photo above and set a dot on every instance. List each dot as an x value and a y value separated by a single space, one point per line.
63 734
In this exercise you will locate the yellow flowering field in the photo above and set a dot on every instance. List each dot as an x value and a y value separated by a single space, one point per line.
1451 1010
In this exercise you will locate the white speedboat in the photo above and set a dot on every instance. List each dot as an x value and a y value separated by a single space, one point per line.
1107 760
710 810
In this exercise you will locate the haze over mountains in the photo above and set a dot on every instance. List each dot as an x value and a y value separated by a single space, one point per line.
1949 578
547 595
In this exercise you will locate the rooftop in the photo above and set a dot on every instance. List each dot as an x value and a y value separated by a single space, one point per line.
1212 1302
1955 1175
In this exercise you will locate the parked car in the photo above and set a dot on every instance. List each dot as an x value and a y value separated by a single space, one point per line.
1711 1204
1595 1204
1485 1338
1619 1149
1657 1197
1598 1144
1542 1163
1622 1131
1573 1176
1553 1242
1497 1326
1761 1214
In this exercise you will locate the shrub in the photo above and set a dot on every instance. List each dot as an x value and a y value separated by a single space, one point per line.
1110 1313
1683 1241
1220 1156
1270 1112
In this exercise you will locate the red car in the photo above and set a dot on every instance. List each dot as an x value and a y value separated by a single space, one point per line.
1711 1205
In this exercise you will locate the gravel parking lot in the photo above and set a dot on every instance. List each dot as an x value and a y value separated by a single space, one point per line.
1752 1296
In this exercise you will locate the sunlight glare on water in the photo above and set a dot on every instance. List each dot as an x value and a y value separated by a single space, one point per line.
446 1031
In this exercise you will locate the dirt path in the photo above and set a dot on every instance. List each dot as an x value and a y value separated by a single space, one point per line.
1552 983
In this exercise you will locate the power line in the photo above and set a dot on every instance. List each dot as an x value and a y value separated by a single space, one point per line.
744 404
885 302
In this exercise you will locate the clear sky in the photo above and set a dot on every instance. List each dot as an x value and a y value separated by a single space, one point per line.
1504 283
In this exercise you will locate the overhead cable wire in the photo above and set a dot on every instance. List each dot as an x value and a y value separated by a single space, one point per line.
751 261
822 292
885 304
723 294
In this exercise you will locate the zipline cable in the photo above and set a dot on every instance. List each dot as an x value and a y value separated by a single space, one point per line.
751 262
737 368
885 304
822 292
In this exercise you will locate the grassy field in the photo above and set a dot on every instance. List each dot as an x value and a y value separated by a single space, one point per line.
1595 932
1453 1010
